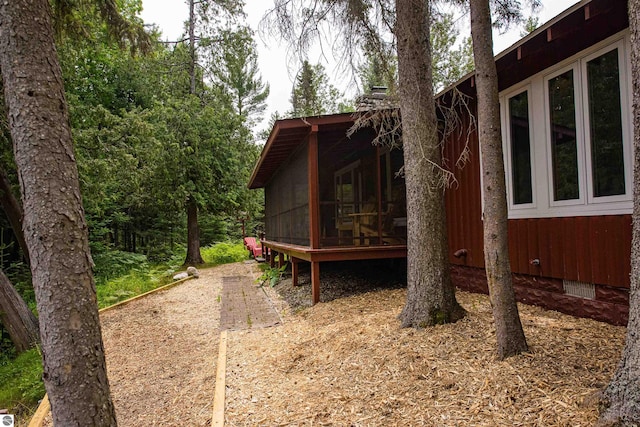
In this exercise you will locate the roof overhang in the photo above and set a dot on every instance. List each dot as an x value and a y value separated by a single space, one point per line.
287 136
577 28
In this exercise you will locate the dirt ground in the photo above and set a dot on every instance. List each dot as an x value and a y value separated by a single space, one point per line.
346 362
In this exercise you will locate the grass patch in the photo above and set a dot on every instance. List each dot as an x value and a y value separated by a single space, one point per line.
21 386
134 283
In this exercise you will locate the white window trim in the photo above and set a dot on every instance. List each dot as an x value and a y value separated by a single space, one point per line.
541 165
577 92
625 121
506 137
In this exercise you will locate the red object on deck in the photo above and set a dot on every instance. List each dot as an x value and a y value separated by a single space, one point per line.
252 246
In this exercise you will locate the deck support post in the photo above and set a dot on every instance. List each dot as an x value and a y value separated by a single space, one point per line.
294 271
280 259
314 210
272 259
315 282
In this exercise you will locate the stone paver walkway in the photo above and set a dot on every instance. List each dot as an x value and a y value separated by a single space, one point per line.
245 305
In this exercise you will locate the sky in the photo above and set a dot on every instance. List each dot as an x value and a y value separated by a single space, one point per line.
273 61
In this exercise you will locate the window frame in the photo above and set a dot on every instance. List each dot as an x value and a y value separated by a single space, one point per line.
540 144
580 146
624 120
508 159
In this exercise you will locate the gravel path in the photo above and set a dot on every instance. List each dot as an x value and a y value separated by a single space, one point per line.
162 352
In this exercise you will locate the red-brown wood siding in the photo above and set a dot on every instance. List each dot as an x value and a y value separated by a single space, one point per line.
591 249
462 200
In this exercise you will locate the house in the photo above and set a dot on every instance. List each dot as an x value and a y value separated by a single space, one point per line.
565 93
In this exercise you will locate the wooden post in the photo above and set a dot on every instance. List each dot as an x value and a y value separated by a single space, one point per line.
272 259
379 184
294 271
280 259
265 255
314 200
314 211
315 282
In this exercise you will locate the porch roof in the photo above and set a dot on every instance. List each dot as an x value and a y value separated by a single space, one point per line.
289 134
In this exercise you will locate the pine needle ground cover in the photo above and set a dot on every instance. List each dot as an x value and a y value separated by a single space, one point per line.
346 362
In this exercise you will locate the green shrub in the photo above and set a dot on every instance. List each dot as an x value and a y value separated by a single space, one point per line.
271 275
224 253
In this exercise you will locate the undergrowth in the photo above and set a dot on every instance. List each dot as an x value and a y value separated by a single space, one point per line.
21 385
224 253
119 275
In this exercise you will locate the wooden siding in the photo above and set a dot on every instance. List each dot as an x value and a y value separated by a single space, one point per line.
463 200
592 249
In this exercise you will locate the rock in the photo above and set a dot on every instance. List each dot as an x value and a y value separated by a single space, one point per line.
179 276
192 271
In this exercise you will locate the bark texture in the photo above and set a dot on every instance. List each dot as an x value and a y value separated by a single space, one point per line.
620 404
430 293
509 333
193 235
54 225
16 317
13 211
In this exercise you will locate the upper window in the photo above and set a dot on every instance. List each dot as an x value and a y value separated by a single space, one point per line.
567 137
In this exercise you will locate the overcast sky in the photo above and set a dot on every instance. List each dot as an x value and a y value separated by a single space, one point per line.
169 16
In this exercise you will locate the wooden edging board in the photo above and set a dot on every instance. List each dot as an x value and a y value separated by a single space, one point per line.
43 409
221 374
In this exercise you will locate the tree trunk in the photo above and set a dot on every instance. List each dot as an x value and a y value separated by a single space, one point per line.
509 333
430 294
54 226
192 48
193 235
16 317
620 405
13 211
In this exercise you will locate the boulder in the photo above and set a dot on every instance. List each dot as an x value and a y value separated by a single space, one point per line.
192 271
179 276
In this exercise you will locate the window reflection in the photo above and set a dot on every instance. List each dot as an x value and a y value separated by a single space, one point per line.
605 125
564 149
520 149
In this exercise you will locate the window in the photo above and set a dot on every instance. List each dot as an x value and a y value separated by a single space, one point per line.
564 145
605 125
567 136
520 147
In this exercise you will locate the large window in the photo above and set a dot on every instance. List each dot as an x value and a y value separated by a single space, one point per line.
567 134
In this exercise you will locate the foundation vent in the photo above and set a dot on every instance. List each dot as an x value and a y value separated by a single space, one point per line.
579 289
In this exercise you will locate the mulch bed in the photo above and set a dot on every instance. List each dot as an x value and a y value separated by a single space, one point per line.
347 362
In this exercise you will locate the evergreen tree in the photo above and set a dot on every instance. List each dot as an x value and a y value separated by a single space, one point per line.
314 95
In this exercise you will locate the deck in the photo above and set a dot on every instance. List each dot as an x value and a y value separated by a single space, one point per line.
315 256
